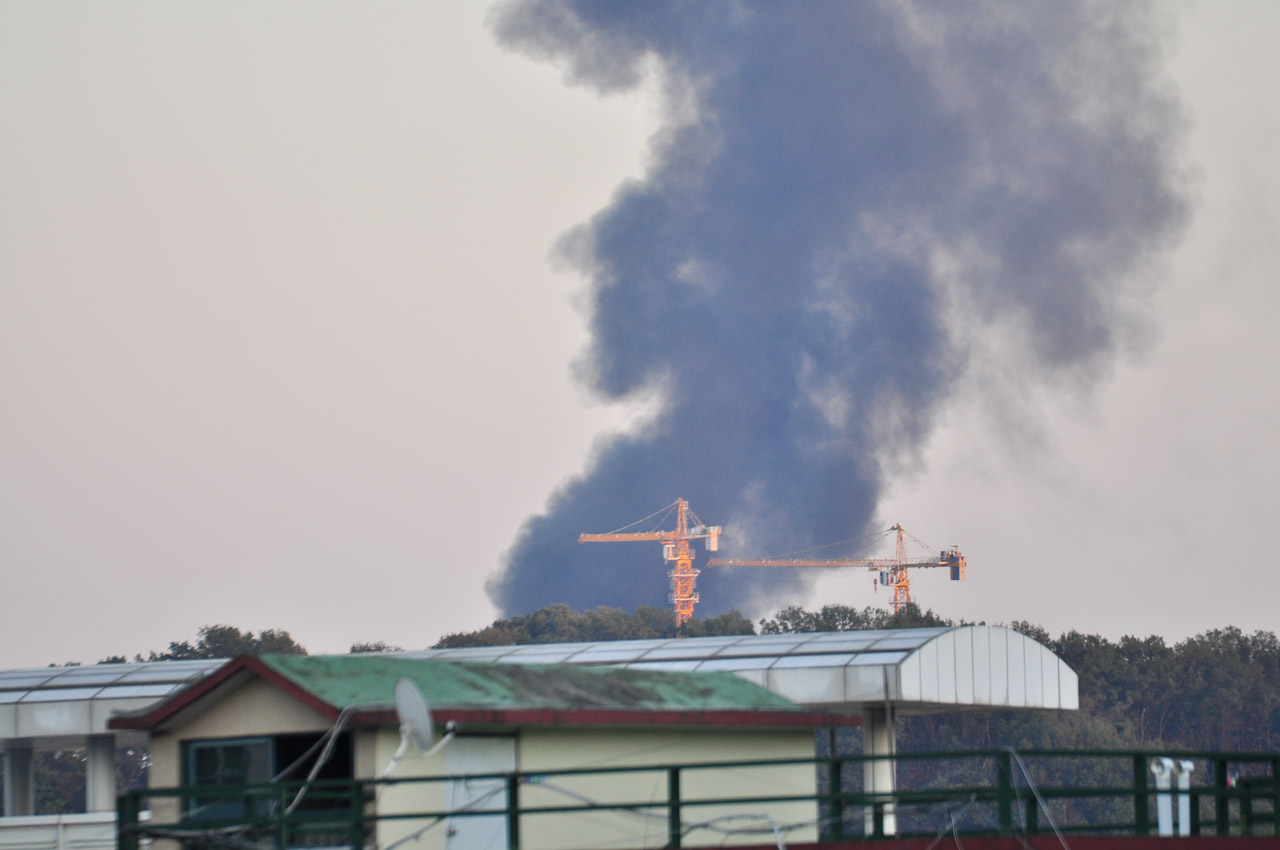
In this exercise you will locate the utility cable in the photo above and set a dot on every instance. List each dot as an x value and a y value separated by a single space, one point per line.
1043 807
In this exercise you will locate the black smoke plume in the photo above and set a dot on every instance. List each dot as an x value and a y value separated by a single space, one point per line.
842 198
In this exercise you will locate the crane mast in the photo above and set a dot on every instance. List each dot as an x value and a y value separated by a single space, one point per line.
675 547
892 572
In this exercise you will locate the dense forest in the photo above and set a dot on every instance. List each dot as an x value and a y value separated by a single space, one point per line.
1219 690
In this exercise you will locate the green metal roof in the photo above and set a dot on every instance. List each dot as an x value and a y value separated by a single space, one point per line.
346 680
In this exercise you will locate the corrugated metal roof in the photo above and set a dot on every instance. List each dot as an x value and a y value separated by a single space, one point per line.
348 680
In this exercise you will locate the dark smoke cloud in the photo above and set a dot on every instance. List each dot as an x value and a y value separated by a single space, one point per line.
842 197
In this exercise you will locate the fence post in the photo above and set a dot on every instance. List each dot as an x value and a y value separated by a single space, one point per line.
1141 802
673 807
513 812
356 833
1221 802
1004 791
835 787
127 807
1275 797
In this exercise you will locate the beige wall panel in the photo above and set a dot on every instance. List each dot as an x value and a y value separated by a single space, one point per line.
646 825
405 798
256 708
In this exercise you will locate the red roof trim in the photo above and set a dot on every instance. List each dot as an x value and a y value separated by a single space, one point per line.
184 698
622 717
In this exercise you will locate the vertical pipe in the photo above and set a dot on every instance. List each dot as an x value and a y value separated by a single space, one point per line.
880 744
1183 769
1162 769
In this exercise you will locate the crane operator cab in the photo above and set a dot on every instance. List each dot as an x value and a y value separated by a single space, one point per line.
953 559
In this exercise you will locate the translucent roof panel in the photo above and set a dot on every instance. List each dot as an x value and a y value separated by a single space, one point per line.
134 691
900 642
876 659
81 676
841 659
53 701
542 656
771 646
161 674
61 694
675 650
844 641
917 669
732 664
605 654
683 666
21 679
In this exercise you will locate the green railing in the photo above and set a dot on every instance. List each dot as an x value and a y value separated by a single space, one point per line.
971 792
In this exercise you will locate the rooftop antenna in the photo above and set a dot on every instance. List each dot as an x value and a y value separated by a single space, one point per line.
416 727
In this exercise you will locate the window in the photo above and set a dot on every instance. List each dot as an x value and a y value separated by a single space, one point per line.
228 763
232 763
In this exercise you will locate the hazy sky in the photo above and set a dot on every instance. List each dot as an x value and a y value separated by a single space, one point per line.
283 342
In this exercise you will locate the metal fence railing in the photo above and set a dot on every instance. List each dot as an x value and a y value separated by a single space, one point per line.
976 792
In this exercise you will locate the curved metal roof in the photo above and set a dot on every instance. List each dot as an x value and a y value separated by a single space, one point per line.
72 702
913 669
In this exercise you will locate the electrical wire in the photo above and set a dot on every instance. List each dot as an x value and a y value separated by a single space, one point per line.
1043 807
436 821
687 828
323 758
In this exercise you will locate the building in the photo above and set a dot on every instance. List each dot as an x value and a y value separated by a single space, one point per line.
181 709
249 720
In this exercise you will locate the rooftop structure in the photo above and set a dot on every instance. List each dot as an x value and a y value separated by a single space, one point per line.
912 670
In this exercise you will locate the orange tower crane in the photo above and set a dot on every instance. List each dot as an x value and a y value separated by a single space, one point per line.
675 547
892 571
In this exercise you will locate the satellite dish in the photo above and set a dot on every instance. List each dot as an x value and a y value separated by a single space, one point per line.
414 716
415 724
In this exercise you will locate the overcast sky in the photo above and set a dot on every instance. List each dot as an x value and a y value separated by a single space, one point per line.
283 343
